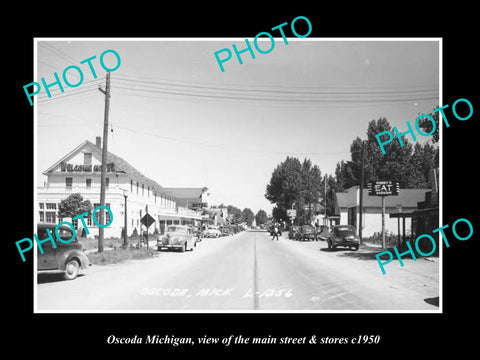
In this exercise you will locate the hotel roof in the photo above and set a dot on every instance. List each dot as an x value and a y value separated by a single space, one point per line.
120 165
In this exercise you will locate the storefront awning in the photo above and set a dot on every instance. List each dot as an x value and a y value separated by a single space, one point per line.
177 217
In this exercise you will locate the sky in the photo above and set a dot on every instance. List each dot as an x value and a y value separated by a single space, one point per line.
177 118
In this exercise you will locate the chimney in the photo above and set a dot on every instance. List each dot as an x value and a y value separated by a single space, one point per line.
98 142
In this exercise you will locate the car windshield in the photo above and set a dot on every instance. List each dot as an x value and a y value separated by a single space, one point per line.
344 231
177 229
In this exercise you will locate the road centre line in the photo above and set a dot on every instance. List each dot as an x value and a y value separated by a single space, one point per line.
256 305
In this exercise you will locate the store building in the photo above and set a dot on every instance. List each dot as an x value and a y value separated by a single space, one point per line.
348 208
79 172
191 198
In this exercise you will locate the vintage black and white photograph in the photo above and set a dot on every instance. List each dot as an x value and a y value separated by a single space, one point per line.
237 175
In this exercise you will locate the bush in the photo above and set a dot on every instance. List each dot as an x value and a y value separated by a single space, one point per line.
135 234
120 255
391 239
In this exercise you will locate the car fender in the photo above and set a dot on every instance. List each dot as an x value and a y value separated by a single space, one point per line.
67 256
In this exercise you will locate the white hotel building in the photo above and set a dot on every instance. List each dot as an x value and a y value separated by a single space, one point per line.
79 172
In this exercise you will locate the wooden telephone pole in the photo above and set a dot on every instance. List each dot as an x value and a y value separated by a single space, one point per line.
106 92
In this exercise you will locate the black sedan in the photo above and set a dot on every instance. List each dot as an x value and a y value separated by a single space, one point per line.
343 235
306 232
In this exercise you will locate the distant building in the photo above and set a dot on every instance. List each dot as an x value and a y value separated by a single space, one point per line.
191 198
348 208
79 171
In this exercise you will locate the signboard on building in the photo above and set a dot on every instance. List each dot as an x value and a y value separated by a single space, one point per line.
292 213
383 188
66 167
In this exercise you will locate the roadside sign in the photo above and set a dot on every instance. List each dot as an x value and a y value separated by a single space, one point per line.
383 188
147 220
292 213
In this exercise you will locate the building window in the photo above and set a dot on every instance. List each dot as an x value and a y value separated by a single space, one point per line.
137 187
97 213
131 186
87 158
42 216
50 217
143 189
88 183
40 205
68 183
51 206
148 191
107 183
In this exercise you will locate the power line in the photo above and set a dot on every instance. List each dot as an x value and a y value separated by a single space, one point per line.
324 91
284 99
58 97
58 52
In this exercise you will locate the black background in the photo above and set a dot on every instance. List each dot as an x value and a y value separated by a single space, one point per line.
404 334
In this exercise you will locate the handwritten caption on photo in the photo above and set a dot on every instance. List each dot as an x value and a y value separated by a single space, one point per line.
206 292
59 238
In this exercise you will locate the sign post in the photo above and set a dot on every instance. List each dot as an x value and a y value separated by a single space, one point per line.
147 220
383 188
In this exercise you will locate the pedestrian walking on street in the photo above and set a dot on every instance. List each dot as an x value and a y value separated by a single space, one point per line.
275 232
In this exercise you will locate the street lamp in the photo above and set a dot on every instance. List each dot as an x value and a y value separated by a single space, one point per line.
125 241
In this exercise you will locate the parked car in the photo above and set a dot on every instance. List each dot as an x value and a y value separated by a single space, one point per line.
323 232
177 237
306 232
67 257
212 232
197 232
343 235
226 231
292 232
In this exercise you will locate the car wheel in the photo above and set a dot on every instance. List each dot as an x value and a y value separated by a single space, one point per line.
183 248
159 248
329 244
71 270
356 248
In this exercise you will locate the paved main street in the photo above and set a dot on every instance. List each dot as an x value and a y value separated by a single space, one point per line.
248 271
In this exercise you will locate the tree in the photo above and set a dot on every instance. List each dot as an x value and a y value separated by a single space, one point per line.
235 213
261 217
294 182
248 216
427 126
409 165
285 183
332 188
74 205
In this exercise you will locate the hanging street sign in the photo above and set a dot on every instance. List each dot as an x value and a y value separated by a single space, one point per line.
292 213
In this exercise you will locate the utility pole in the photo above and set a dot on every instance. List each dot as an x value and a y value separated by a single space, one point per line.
360 222
383 222
325 202
106 92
